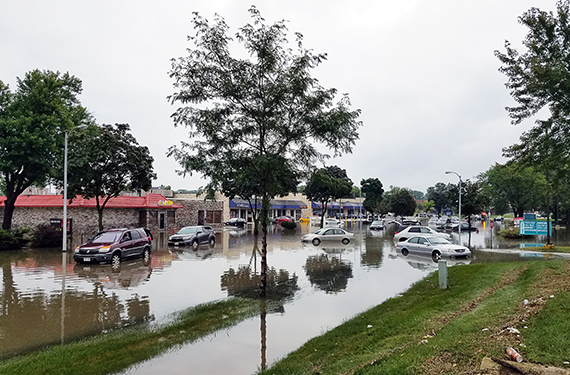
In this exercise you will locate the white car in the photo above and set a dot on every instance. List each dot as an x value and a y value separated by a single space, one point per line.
415 230
332 222
328 234
436 247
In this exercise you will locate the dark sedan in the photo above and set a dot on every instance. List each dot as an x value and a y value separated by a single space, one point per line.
193 236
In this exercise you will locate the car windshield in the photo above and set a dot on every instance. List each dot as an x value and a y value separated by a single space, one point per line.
187 230
376 222
438 241
106 237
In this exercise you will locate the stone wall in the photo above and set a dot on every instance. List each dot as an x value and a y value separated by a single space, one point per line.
190 214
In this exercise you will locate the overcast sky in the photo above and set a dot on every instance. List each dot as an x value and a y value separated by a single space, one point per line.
423 72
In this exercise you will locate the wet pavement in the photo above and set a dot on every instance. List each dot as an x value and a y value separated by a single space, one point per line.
48 299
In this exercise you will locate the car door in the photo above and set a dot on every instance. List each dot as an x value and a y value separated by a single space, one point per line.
330 234
423 245
412 244
127 244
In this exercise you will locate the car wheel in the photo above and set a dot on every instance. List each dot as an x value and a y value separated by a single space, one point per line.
212 241
405 252
436 255
345 241
146 254
316 241
195 245
116 260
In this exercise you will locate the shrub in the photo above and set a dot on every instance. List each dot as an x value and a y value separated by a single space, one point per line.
513 233
12 239
289 224
46 235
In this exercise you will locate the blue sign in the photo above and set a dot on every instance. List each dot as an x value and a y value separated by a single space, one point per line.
534 227
529 217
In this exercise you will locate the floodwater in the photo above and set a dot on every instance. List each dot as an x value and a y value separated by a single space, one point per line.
47 299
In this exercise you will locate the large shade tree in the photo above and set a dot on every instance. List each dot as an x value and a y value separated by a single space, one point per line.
519 188
33 121
328 184
539 78
106 160
373 191
255 113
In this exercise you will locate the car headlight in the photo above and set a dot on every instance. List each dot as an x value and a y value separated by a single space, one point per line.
76 249
104 249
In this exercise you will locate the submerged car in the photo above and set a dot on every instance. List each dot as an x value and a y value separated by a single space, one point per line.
414 230
194 236
377 225
113 245
328 234
436 247
236 222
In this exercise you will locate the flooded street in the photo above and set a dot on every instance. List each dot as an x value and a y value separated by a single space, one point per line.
48 299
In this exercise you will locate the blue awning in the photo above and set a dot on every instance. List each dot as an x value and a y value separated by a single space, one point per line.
276 204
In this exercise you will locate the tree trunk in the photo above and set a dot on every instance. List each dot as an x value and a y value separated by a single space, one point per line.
9 206
264 217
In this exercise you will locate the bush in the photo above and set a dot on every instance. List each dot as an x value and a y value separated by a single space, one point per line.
46 235
12 239
289 224
513 233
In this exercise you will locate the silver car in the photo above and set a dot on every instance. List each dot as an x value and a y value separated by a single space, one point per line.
328 234
436 247
417 230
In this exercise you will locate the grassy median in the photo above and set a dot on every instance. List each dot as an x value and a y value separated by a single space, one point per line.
428 330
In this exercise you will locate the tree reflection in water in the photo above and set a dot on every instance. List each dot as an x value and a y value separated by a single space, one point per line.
244 282
328 272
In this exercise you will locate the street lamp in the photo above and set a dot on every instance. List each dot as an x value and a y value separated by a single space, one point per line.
64 224
459 228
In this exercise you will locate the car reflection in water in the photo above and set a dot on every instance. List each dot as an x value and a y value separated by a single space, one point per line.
427 263
126 275
204 252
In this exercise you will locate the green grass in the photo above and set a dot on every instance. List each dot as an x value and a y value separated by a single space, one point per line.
449 330
117 350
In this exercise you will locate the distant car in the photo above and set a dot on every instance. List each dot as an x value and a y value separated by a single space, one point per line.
464 227
236 222
416 230
332 222
432 220
194 236
440 223
377 225
280 219
113 245
436 247
410 221
498 218
328 234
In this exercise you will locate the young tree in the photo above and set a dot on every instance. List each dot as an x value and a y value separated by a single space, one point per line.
373 191
327 184
472 200
106 160
258 117
33 122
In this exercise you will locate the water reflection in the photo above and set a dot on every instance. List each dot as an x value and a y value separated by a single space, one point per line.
47 299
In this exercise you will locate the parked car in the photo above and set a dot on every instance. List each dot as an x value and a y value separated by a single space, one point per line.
432 221
328 234
436 247
113 245
464 228
377 225
280 219
415 230
194 236
442 221
332 222
236 222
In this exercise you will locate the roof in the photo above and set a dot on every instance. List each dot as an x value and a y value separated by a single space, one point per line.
151 200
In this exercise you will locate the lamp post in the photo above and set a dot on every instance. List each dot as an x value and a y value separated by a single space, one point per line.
459 227
64 224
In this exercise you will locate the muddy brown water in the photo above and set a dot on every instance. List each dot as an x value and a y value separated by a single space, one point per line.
48 299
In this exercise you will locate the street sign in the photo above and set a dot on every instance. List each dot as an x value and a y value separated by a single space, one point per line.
534 227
